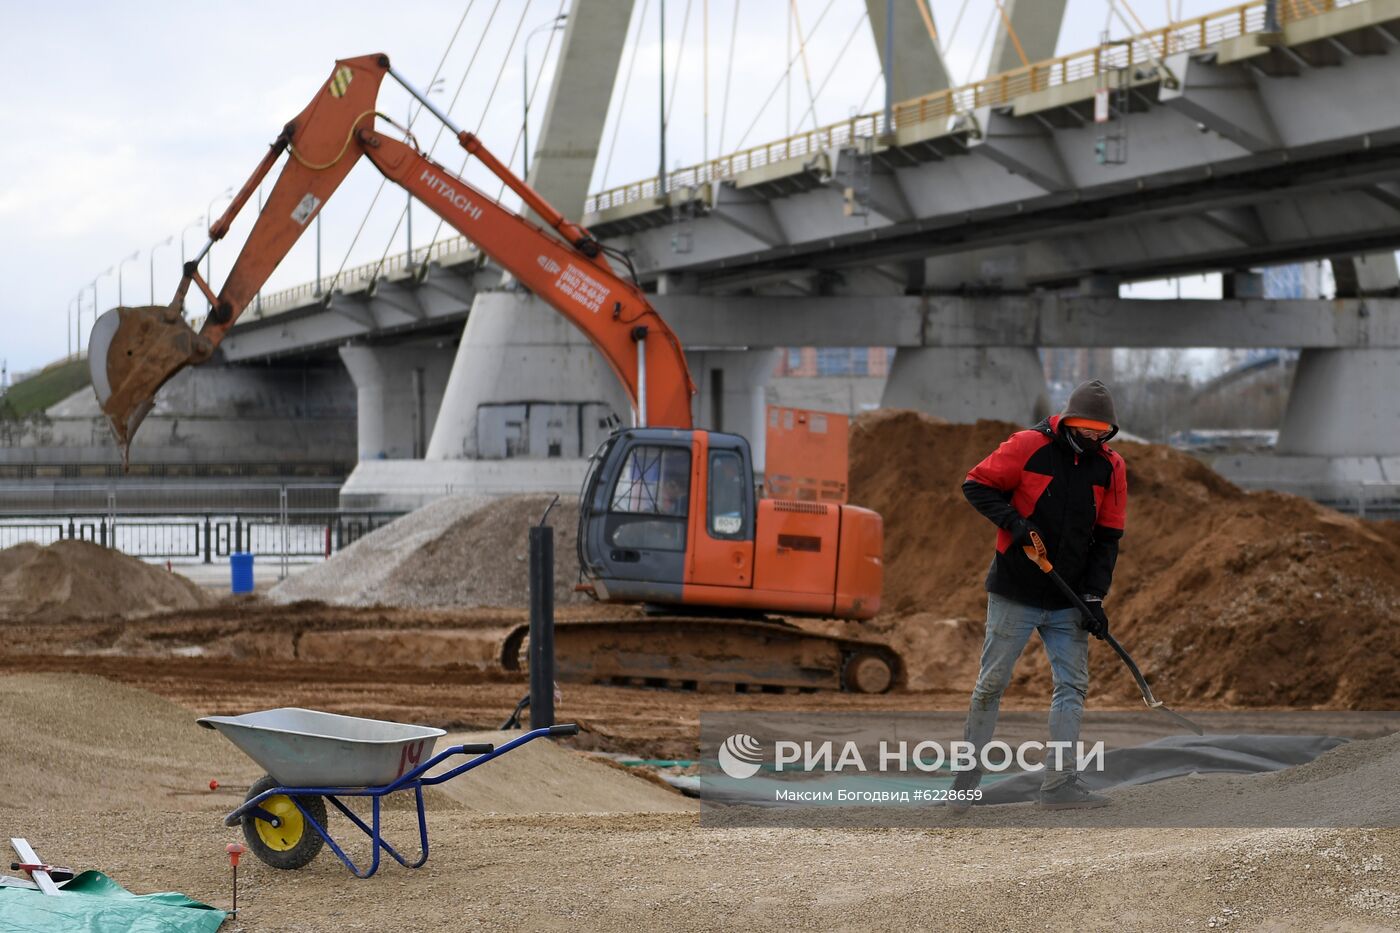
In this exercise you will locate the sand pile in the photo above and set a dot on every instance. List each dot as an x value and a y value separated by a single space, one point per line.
1222 595
453 553
77 740
77 578
90 743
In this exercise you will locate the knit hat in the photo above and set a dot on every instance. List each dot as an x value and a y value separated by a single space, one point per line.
1091 402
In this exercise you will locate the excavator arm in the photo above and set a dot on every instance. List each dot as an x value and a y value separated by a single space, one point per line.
134 351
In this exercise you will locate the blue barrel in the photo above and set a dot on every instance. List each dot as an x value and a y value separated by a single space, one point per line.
242 564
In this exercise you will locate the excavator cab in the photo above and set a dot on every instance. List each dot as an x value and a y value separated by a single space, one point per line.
670 516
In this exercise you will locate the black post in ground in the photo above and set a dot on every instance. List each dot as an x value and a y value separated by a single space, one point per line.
542 624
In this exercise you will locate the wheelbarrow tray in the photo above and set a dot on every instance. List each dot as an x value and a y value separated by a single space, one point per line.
305 747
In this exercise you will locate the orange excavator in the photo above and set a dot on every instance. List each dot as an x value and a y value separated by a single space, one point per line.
668 513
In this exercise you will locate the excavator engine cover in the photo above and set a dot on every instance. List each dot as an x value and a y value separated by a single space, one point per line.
132 353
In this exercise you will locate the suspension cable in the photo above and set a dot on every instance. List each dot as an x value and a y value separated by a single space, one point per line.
705 81
626 86
330 289
806 70
981 46
1015 39
728 74
486 108
855 31
786 72
676 72
530 100
928 22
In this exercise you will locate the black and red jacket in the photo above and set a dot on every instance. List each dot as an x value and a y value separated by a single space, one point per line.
1078 501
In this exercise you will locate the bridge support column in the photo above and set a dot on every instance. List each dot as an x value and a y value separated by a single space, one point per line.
517 351
964 384
525 383
1344 403
731 396
398 392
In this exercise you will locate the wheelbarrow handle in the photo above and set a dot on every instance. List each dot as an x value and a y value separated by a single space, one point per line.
478 748
564 728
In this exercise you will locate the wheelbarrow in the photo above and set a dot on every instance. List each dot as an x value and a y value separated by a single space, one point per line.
312 757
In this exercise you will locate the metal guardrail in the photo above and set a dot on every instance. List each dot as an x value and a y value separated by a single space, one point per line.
362 275
996 90
1369 499
194 524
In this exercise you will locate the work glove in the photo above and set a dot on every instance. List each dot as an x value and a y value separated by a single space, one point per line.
1096 623
1020 530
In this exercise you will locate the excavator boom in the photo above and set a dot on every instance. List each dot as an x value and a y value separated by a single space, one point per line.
134 351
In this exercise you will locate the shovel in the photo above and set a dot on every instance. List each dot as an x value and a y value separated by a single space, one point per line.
1038 554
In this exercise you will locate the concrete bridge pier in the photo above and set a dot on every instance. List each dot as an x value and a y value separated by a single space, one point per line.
398 391
731 392
526 378
963 384
525 383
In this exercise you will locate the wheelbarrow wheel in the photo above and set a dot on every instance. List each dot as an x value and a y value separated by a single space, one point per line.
291 844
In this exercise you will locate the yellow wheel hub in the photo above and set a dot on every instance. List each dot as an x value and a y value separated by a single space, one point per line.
287 835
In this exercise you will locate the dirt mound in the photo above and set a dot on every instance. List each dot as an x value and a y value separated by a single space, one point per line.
77 578
454 553
545 777
80 741
1221 595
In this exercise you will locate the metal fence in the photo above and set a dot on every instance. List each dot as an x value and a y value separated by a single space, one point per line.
1371 499
189 523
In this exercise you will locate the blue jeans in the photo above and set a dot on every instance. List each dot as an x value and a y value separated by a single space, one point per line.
1009 627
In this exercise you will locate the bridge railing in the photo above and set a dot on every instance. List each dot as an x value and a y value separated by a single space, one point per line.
996 90
361 275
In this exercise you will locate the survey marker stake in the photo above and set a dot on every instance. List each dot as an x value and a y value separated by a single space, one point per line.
36 869
1037 553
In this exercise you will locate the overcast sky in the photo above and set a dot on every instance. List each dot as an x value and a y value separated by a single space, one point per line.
127 119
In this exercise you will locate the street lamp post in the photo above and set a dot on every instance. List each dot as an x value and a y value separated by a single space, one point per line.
197 222
70 323
556 23
433 88
165 242
93 286
209 253
132 258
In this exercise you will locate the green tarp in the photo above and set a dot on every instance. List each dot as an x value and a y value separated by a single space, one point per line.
94 903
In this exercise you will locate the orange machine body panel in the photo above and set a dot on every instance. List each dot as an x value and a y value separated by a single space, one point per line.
860 572
806 455
711 560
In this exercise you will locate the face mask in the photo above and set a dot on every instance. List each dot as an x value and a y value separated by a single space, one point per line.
1080 444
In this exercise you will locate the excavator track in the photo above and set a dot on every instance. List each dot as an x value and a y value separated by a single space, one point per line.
711 654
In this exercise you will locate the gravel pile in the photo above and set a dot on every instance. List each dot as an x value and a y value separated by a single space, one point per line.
454 553
352 575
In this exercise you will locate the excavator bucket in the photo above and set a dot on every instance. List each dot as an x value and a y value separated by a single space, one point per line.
132 352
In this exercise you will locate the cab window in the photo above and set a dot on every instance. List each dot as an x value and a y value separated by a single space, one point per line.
729 496
651 499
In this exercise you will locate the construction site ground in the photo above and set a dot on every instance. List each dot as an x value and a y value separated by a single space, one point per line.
1229 600
109 771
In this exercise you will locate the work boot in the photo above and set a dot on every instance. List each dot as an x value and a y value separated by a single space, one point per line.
1073 794
963 781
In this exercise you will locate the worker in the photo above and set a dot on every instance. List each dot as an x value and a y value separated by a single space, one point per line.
673 494
1058 479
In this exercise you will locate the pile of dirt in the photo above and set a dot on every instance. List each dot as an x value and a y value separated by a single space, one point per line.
85 741
1221 595
461 553
71 579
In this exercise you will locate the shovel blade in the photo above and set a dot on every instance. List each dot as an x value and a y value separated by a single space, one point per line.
132 352
1176 717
